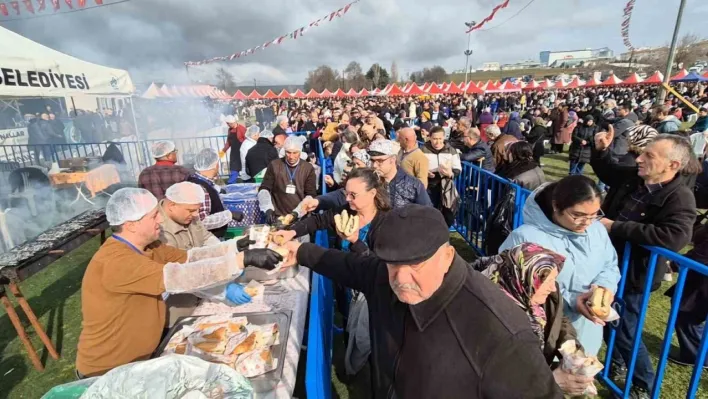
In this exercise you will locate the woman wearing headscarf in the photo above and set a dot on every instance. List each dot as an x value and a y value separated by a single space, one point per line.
566 131
539 132
580 150
485 119
527 273
513 126
520 167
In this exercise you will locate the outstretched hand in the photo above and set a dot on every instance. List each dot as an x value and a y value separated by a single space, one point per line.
604 139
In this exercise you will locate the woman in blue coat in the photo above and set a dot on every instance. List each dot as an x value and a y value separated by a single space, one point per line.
563 217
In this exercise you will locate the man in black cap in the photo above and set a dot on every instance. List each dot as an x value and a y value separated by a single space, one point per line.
438 328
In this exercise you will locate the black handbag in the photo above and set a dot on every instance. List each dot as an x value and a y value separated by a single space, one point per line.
501 223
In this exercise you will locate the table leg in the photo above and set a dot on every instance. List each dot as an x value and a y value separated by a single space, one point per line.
103 236
33 319
21 333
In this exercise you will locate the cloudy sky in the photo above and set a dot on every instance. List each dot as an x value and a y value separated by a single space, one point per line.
152 38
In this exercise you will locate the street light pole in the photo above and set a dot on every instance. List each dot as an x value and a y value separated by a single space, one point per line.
468 52
661 96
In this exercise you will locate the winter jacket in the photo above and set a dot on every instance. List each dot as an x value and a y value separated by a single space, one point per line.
513 128
259 156
247 144
477 151
529 179
667 221
421 351
582 152
590 259
701 124
435 157
669 124
277 178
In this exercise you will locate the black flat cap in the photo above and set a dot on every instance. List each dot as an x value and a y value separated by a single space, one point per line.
410 235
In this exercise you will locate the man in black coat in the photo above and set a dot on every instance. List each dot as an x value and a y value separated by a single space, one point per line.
261 154
647 205
438 328
476 149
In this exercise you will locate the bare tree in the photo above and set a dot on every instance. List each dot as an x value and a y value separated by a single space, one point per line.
225 81
378 76
354 76
435 74
394 72
324 77
686 52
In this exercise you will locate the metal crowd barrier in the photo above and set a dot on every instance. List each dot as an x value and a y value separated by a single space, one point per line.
480 190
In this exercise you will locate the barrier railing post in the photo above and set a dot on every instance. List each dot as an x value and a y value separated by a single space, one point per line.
698 367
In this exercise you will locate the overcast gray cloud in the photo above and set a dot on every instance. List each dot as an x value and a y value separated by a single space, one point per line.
152 38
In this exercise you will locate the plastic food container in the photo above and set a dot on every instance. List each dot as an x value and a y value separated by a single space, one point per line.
264 382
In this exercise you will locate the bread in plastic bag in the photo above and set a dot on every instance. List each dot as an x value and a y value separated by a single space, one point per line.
576 362
171 377
211 251
255 363
200 275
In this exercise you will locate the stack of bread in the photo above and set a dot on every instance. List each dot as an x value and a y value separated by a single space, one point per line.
234 342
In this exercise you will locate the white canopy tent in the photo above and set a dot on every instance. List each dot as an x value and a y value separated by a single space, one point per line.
29 69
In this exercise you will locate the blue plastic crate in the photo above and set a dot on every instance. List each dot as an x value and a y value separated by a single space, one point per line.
249 207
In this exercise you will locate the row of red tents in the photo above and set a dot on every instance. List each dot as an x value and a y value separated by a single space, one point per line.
409 89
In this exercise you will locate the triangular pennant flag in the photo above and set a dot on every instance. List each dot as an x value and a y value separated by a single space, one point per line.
29 6
41 4
3 9
68 3
346 8
82 3
280 39
99 2
56 4
15 6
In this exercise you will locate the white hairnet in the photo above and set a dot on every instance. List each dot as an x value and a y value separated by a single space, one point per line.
206 159
294 143
185 193
252 131
161 148
229 119
128 205
267 134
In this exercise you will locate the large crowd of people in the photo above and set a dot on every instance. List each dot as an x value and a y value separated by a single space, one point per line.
432 324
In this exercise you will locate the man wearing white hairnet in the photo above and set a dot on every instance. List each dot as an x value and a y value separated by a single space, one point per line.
252 135
212 212
287 181
234 138
180 226
165 172
262 154
122 290
281 125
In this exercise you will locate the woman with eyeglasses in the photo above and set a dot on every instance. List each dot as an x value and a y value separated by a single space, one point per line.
563 217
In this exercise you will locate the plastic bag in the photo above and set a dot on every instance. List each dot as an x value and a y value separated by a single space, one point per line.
212 251
172 376
576 362
200 275
265 201
71 390
217 220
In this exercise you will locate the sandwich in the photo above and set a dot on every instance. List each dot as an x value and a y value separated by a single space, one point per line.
600 302
346 224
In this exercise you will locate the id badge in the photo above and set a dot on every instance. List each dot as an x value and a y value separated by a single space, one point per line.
290 189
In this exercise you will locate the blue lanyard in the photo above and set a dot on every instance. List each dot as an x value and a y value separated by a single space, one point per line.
292 175
124 241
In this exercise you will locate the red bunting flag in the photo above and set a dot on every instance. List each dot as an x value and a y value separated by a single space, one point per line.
99 2
490 17
56 4
68 3
624 27
29 6
41 5
3 9
15 6
82 3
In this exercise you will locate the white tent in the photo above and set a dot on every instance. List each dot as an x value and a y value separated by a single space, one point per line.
29 69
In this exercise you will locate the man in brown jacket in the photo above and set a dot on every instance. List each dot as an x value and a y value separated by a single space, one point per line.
287 181
411 158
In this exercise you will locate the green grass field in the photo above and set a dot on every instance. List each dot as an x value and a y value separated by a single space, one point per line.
54 294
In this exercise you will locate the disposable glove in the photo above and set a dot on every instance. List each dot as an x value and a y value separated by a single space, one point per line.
262 258
236 294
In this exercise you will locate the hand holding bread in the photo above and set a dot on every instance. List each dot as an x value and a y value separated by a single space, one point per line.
347 226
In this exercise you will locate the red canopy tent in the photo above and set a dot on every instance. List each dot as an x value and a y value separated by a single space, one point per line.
545 84
364 93
453 89
612 80
633 79
680 75
406 87
270 95
575 83
415 90
493 85
593 82
312 94
340 93
705 75
298 94
352 93
506 87
656 78
395 91
560 84
239 95
435 89
472 88
445 87
326 93
284 94
375 92
532 85
386 89
426 86
254 95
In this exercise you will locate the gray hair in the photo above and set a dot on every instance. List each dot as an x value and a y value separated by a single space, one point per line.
680 151
492 131
611 103
350 137
466 122
473 132
280 119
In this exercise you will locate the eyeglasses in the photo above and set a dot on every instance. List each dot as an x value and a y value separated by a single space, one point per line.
584 219
380 160
353 196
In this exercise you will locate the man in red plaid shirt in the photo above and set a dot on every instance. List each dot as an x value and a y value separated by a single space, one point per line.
165 172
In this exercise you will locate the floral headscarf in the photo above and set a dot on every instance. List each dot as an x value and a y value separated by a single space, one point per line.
519 272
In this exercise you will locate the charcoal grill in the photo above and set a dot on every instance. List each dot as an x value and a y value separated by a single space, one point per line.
26 259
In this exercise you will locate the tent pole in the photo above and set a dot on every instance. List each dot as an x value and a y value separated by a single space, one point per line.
73 105
141 153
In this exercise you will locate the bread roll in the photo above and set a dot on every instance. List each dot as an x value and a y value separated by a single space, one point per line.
211 346
600 302
247 345
217 335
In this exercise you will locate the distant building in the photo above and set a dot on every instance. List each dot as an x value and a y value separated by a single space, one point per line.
521 65
555 59
490 66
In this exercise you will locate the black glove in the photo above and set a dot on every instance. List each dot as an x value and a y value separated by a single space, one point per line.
262 258
270 217
243 244
237 216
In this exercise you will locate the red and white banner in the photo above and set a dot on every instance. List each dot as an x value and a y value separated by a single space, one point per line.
278 40
625 24
37 7
490 17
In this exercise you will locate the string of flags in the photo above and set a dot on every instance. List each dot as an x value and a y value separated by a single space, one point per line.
475 25
278 40
39 6
625 24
